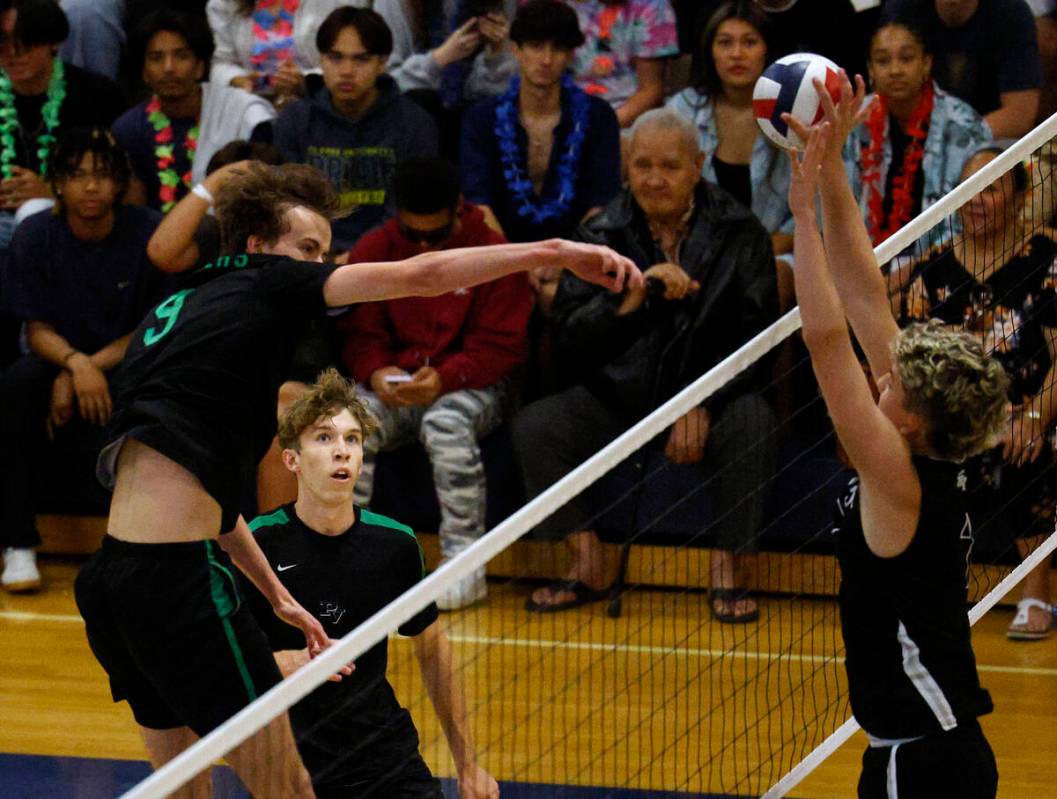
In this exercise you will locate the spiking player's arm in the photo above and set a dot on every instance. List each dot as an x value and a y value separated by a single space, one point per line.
435 273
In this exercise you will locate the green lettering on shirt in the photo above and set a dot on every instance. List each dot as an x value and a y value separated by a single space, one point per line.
167 312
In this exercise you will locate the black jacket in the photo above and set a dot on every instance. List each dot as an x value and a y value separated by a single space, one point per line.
636 362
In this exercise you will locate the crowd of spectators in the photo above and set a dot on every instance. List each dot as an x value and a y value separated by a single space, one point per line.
449 123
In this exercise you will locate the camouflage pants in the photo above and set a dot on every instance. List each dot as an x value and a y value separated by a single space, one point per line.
449 430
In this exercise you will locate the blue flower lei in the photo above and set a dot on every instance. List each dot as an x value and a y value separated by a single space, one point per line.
514 171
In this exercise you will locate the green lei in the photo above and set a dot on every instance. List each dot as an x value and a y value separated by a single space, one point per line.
9 123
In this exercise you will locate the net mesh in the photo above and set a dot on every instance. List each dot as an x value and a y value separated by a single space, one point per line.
647 691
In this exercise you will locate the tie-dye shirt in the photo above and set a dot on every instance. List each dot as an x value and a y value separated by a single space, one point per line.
616 36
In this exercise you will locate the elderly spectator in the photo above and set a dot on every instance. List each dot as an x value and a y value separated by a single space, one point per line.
733 49
43 97
357 127
710 264
998 281
911 148
171 136
438 368
541 157
986 53
623 59
81 281
268 46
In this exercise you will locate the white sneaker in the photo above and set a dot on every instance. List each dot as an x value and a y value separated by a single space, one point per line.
20 570
465 592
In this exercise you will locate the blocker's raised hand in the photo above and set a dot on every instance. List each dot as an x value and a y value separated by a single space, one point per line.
842 117
600 265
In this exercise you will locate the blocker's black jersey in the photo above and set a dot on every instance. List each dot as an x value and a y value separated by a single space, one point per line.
354 730
202 371
911 668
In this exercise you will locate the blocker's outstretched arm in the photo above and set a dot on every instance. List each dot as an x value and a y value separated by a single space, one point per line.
434 273
877 449
855 273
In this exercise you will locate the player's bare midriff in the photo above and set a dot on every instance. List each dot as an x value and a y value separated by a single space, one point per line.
157 501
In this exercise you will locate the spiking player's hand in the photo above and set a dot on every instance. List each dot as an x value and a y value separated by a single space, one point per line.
599 265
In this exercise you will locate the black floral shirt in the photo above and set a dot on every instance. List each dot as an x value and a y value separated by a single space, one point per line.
1010 309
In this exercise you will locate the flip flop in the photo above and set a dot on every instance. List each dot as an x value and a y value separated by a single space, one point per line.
1018 629
583 594
728 596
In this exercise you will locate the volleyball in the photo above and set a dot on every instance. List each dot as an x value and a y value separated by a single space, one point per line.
785 87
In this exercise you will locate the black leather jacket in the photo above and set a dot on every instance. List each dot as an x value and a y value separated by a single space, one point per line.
636 362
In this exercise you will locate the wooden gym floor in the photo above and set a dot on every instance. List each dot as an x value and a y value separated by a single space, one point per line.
660 699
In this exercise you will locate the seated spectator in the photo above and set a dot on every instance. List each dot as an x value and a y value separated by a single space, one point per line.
711 265
544 155
734 49
171 137
268 47
438 368
986 53
189 236
999 282
354 737
623 58
458 48
357 127
42 97
808 26
911 148
81 282
447 53
96 35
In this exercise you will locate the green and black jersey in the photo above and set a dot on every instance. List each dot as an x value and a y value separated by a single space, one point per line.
353 730
201 375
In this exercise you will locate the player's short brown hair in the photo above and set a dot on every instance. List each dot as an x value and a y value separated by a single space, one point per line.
255 202
328 396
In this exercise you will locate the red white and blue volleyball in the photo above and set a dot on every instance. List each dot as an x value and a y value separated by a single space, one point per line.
786 87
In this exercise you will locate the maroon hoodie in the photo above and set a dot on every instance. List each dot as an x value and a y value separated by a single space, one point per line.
473 337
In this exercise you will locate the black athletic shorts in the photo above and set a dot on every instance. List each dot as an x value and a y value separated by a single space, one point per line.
168 625
956 763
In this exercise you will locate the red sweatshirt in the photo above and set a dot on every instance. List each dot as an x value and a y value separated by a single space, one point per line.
473 337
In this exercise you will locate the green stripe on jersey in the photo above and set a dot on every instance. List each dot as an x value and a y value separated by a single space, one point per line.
272 519
379 520
225 606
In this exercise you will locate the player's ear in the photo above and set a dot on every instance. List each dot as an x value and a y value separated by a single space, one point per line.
255 244
292 460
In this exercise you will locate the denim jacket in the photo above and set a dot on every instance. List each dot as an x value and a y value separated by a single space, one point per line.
768 170
955 132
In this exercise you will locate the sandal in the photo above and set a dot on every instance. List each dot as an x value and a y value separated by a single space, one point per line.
1018 628
583 594
726 597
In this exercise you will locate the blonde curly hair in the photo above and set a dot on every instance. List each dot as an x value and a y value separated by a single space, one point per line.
959 390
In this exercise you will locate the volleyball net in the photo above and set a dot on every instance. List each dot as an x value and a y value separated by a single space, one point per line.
647 691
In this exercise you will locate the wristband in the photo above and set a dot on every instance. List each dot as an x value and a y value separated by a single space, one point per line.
201 191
